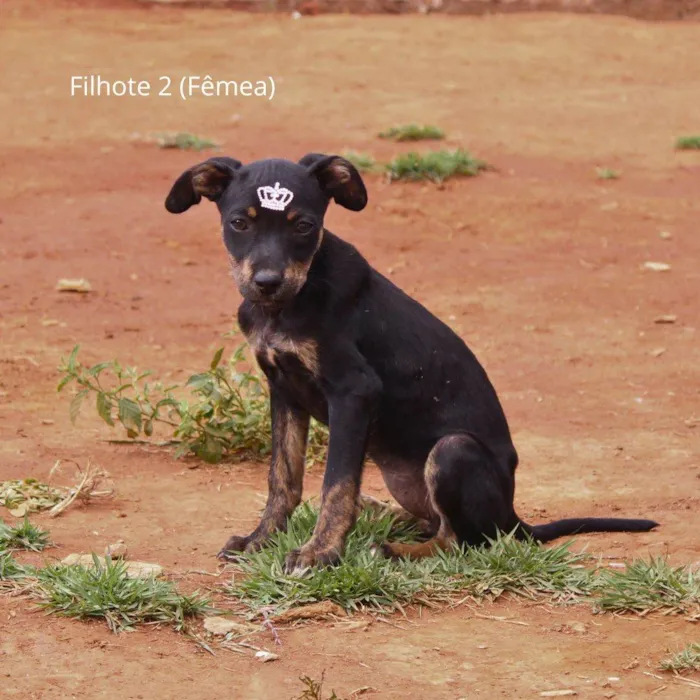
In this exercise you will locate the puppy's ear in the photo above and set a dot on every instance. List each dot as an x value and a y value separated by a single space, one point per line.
338 178
208 179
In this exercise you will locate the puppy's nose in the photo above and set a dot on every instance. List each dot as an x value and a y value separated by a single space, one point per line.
267 281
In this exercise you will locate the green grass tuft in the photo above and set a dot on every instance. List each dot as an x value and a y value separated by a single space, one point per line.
413 132
688 143
10 569
687 659
360 580
607 174
436 166
24 536
105 591
185 141
647 586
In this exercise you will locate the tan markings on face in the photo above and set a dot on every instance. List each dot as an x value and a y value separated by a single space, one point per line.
289 435
241 272
252 212
292 214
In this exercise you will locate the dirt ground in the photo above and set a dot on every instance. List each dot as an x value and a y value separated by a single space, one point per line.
537 264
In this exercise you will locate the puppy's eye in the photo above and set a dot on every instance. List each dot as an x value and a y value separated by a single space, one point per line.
304 227
239 225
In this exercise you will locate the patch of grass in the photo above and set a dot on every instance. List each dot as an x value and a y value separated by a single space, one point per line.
436 166
362 580
647 586
519 567
687 659
24 536
10 569
364 162
413 132
184 141
228 412
688 143
105 591
607 174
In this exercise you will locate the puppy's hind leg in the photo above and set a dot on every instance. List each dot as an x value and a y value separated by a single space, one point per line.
468 494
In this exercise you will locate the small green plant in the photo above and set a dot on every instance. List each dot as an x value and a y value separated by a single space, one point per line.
185 141
106 591
436 166
365 163
228 412
688 143
607 174
413 132
313 689
647 586
687 659
24 536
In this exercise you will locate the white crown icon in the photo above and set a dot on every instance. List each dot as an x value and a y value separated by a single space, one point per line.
276 197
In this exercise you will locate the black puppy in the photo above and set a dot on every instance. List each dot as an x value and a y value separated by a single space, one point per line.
339 342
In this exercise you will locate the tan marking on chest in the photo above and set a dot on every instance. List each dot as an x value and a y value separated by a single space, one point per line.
269 344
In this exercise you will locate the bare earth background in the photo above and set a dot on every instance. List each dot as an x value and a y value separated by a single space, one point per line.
537 265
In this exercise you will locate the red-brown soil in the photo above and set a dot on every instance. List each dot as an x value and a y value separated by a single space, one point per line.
537 265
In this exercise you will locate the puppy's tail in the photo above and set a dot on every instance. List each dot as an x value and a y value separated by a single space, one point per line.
580 526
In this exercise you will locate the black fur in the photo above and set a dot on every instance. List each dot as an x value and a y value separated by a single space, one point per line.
389 378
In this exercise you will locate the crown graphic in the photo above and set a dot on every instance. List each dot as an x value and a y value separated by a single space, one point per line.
276 197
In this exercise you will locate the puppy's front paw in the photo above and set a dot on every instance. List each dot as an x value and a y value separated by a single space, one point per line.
236 545
300 560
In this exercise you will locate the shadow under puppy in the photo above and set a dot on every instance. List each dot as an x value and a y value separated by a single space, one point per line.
340 342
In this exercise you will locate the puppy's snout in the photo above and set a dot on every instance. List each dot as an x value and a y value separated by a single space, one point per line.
267 281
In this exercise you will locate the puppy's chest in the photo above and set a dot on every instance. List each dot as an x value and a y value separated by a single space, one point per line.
278 352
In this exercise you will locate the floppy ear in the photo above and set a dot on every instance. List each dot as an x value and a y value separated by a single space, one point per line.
208 179
338 178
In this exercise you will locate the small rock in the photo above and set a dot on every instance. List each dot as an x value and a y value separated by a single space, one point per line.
657 352
665 235
74 285
666 318
47 421
220 626
656 266
609 694
579 627
613 679
266 656
558 693
116 551
296 15
617 565
142 569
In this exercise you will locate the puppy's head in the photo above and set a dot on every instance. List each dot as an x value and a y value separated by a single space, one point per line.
272 215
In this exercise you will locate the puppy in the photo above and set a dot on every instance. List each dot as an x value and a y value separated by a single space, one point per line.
340 342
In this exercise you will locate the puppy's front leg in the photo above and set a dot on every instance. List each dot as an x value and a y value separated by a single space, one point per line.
290 428
349 420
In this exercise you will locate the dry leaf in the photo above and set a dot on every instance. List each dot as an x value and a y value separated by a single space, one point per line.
74 285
